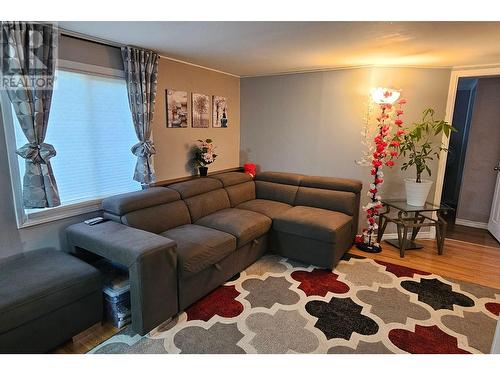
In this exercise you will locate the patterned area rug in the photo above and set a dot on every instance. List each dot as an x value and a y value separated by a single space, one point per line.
364 306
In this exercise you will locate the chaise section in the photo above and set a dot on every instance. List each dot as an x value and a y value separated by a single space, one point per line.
313 235
265 207
316 223
244 225
199 247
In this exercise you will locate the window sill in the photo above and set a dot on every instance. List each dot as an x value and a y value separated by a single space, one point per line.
58 213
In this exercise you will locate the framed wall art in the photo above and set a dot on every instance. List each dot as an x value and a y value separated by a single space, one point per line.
219 112
177 109
200 110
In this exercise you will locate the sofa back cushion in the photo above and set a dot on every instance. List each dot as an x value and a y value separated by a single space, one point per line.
332 183
197 186
333 200
120 204
275 191
232 178
203 196
238 185
281 178
158 218
207 203
240 193
154 210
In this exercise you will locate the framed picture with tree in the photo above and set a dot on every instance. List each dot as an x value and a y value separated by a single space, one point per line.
200 107
219 112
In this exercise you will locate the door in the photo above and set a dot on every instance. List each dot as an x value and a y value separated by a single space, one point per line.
494 222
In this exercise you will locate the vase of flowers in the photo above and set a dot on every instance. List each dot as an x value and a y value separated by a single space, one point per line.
204 155
417 145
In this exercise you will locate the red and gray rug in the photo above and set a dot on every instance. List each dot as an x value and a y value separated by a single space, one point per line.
363 306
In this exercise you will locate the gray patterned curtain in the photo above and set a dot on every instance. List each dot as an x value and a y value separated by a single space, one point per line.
28 61
141 72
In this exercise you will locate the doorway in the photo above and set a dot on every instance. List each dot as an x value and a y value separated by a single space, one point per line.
473 153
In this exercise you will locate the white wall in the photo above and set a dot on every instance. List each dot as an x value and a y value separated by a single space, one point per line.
311 123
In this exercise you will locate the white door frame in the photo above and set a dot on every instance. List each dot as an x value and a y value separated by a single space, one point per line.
457 73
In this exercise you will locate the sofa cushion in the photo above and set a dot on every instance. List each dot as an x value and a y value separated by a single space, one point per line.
265 207
207 203
232 178
195 187
316 223
241 193
243 224
275 191
199 247
333 200
280 177
159 218
122 203
332 183
41 281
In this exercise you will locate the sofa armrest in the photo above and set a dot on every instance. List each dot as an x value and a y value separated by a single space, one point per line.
152 263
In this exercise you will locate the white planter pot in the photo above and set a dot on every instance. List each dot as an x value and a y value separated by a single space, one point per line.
416 193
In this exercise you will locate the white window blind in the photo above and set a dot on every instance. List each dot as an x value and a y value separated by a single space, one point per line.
91 129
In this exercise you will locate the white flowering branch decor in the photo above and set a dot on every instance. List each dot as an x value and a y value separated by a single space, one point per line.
381 148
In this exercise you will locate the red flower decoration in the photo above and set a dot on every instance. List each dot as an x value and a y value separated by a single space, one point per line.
319 282
220 302
389 163
398 122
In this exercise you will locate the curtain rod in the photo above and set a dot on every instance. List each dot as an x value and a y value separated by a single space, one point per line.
105 42
89 38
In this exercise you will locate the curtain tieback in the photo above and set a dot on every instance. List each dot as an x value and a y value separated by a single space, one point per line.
144 148
37 153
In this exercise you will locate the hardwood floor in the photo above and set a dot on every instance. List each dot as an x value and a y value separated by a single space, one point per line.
87 340
461 260
476 263
474 235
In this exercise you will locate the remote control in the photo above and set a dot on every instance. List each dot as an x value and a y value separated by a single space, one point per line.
94 221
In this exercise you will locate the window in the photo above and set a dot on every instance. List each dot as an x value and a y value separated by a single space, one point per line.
91 129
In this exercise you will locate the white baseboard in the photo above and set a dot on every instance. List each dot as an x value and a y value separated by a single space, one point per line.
420 235
470 223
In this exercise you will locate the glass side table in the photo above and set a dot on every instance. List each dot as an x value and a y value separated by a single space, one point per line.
414 218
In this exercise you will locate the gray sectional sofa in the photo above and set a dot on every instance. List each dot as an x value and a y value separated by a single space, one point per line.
182 241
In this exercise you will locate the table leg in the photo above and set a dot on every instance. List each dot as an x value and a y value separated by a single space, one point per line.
402 234
382 224
415 230
441 224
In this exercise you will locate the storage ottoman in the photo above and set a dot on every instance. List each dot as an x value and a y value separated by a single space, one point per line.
46 298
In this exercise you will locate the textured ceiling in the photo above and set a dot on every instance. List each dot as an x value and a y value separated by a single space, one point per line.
259 48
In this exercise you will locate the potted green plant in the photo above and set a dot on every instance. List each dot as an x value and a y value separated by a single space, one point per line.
417 145
204 155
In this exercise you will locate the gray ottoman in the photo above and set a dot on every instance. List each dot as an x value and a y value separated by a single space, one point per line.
46 298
